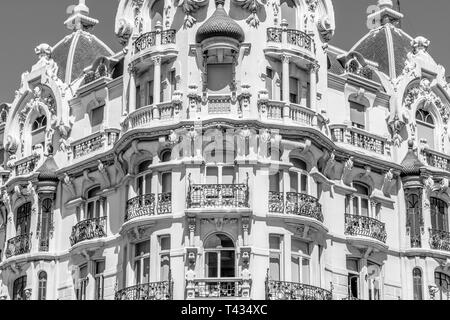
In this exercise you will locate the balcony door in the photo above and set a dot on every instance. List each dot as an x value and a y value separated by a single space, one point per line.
361 200
220 257
442 281
353 279
439 214
142 262
23 219
93 205
374 280
298 177
144 179
19 288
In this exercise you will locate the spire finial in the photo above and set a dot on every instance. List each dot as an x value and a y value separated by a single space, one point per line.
79 17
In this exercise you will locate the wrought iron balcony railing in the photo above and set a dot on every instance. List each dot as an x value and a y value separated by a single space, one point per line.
18 245
140 206
217 196
218 288
165 203
365 226
150 39
439 240
276 202
303 205
148 291
293 37
88 230
281 290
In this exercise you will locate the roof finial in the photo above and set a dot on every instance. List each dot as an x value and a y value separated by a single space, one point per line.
79 17
220 3
384 13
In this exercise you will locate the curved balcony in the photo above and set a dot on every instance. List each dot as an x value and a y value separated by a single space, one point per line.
26 165
204 196
18 245
361 140
148 291
165 203
439 240
88 230
303 205
281 290
362 226
144 116
217 288
140 206
437 160
160 43
93 144
290 41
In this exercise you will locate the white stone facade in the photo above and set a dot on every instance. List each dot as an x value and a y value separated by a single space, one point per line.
265 164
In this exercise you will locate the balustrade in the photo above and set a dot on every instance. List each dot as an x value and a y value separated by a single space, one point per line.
359 138
218 195
96 142
147 291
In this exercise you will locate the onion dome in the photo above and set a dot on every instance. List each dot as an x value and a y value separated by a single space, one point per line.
411 164
386 43
80 49
220 25
47 172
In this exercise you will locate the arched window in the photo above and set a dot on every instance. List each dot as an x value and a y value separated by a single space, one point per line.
220 259
361 200
417 284
23 219
166 155
289 13
299 176
19 288
442 281
93 203
38 131
42 290
156 13
144 179
439 214
425 127
414 216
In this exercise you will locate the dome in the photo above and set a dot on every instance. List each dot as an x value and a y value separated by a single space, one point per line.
76 52
220 25
47 172
411 164
387 44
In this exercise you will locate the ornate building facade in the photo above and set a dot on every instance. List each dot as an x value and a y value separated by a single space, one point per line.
228 151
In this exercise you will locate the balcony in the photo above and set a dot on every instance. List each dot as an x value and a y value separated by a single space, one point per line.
144 116
140 206
360 139
164 203
290 41
281 290
439 240
18 245
362 226
436 159
26 165
95 143
204 196
88 230
278 111
160 43
297 205
217 288
148 291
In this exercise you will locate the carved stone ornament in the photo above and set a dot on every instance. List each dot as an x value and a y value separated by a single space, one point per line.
190 7
251 6
420 44
219 222
346 173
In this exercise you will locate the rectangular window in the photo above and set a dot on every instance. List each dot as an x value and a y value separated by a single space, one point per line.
293 90
166 182
305 93
212 175
353 279
275 256
300 261
294 181
173 81
82 282
99 279
164 257
142 262
269 82
274 182
138 97
357 115
150 93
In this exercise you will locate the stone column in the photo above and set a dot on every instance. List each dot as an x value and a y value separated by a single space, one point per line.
313 68
156 86
285 85
132 100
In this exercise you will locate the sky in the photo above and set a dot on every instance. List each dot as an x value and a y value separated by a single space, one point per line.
24 24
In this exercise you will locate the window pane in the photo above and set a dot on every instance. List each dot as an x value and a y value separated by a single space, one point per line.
138 97
269 82
97 209
274 266
142 248
150 93
227 264
299 246
165 267
274 182
304 183
274 242
305 271
97 116
137 271
426 132
289 12
356 206
293 90
211 265
294 181
148 184
167 182
140 186
228 175
365 207
165 243
146 273
352 265
212 174
90 210
295 269
357 114
219 76
417 281
99 267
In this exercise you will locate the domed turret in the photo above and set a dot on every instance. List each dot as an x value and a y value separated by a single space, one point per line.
220 25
